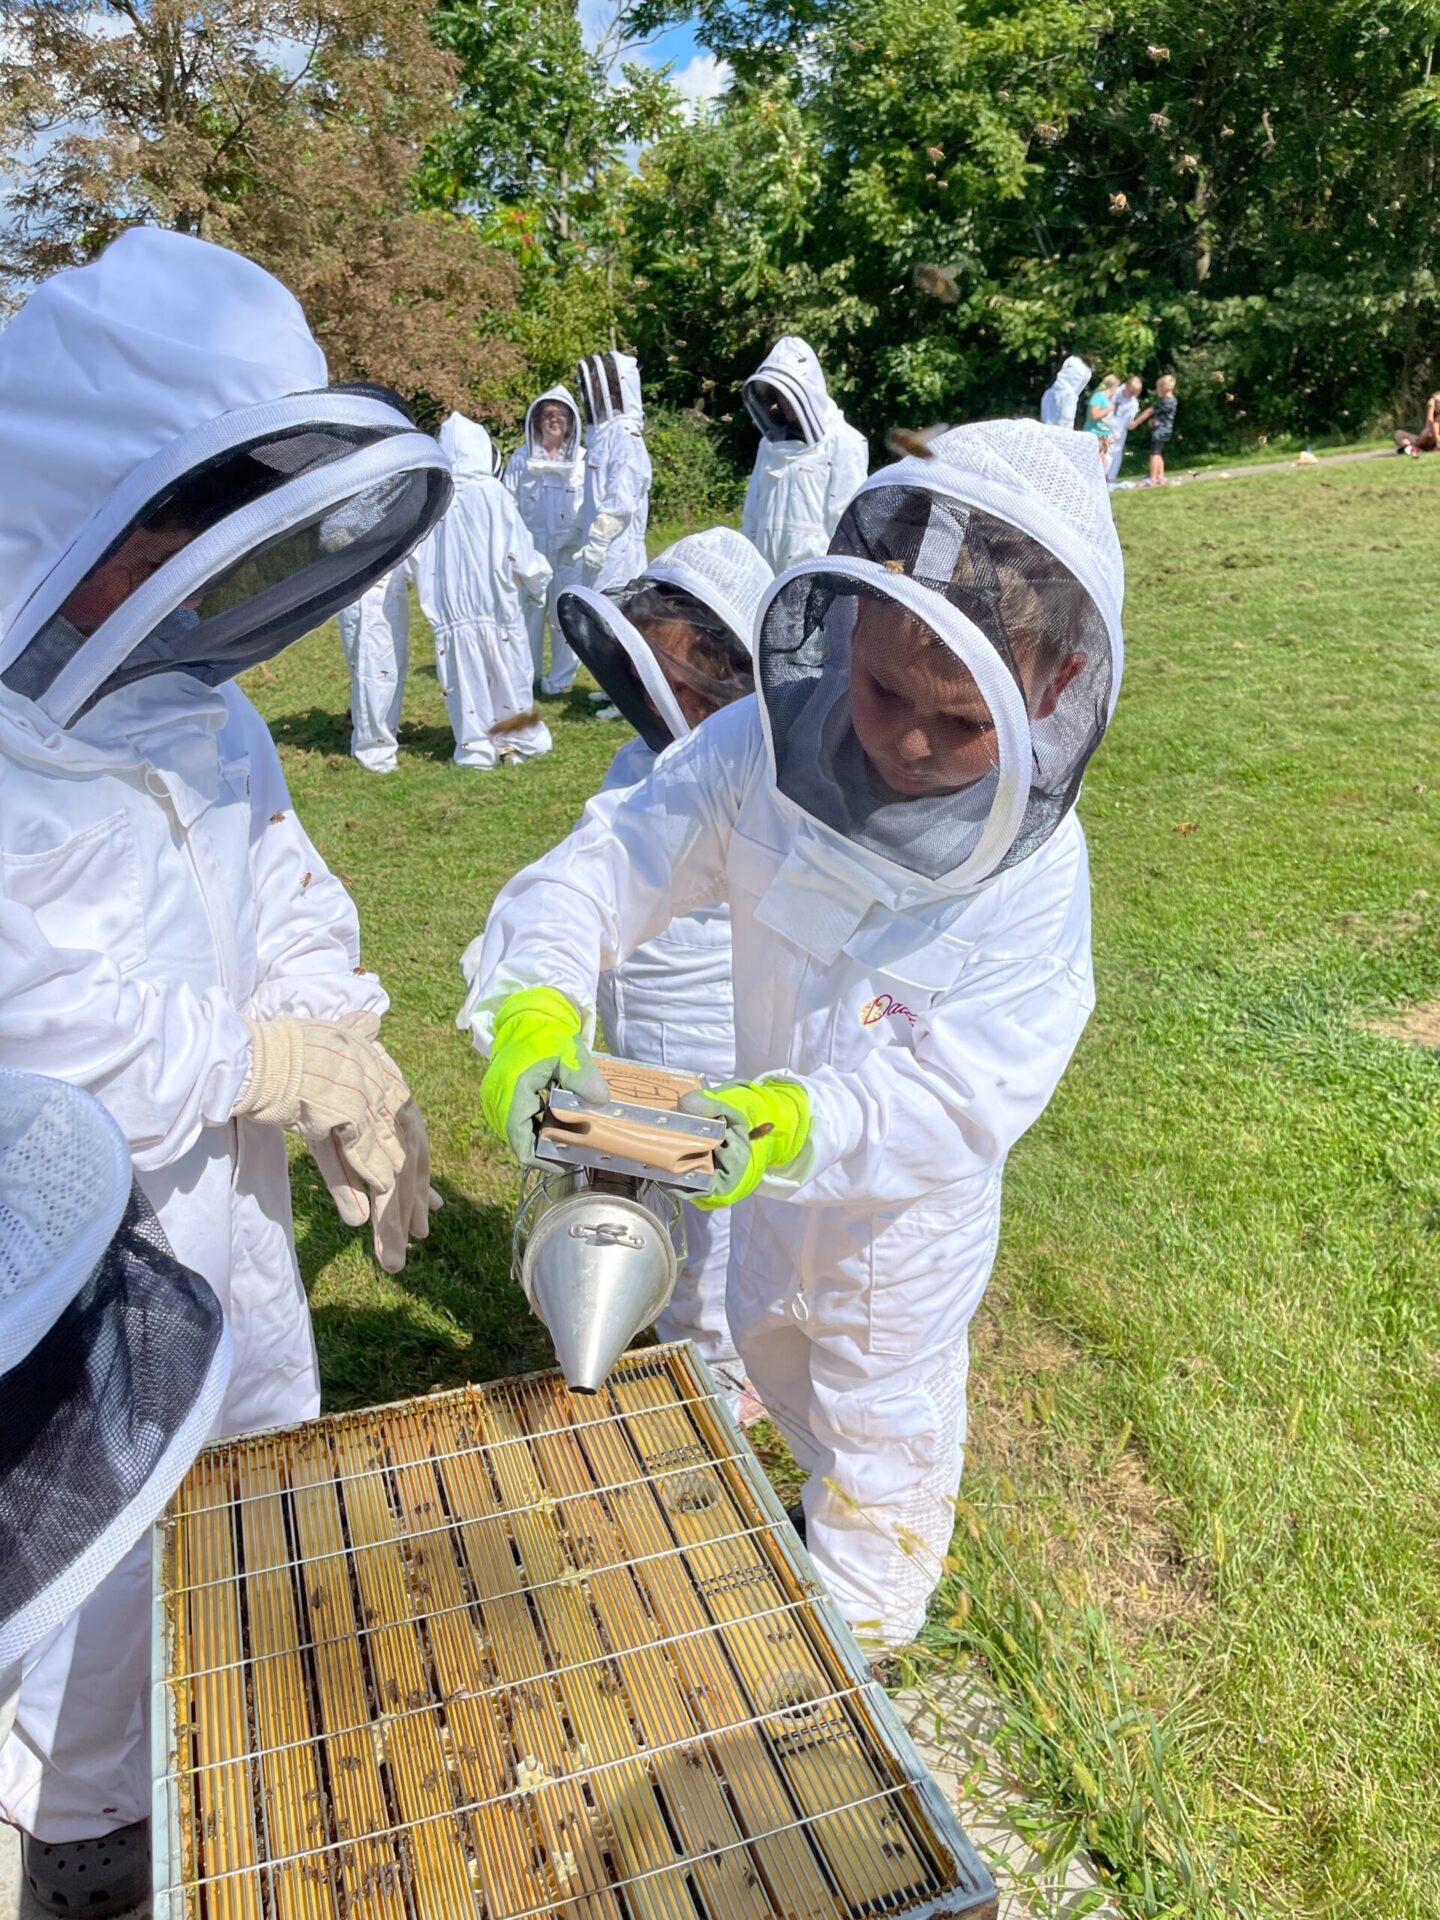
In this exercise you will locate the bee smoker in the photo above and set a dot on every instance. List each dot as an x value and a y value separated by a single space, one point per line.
600 1230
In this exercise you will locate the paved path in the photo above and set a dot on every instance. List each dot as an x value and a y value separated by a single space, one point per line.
1292 465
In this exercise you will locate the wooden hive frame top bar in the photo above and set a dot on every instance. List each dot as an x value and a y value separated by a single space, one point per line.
510 1654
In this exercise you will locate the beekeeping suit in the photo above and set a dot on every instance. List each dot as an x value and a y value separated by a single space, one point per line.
1127 405
550 493
180 498
669 1003
473 577
616 508
1060 399
810 462
375 638
920 966
113 1365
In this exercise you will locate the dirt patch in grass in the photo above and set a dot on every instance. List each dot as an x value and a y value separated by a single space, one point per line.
1419 1025
1106 1530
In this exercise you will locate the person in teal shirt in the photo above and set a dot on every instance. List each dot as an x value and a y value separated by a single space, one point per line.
1100 413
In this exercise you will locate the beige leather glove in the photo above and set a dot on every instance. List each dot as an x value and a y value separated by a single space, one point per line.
332 1082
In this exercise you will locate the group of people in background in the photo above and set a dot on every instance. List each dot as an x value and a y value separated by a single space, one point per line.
570 509
1112 411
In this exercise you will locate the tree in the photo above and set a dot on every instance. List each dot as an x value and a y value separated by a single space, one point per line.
1238 190
721 247
289 129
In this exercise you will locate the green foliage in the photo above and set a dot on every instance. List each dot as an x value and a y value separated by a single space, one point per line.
722 251
695 478
947 200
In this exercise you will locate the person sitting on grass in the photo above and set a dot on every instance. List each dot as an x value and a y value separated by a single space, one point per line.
1427 440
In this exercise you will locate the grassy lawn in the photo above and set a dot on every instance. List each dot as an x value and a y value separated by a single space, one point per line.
1199 1548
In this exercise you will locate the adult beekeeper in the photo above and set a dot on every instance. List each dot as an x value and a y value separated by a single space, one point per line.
616 508
1062 396
181 496
671 648
810 461
375 639
473 577
546 475
891 823
113 1364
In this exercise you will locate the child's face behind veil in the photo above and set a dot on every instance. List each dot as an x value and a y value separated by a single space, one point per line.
921 719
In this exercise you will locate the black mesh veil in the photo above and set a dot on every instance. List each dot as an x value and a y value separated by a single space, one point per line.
837 647
101 1419
613 652
286 570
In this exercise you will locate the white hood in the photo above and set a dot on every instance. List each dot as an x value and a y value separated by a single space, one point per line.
723 571
966 542
533 447
103 367
610 383
174 376
470 449
792 368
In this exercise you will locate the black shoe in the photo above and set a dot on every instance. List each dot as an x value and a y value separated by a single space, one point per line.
796 1516
89 1879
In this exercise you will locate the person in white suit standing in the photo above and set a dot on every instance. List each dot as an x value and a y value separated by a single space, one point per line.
181 497
616 509
891 821
670 649
546 474
810 462
473 578
1062 396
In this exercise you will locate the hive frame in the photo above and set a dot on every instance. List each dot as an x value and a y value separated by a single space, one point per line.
973 1896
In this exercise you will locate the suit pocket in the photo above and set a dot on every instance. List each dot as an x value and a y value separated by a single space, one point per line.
86 894
928 1270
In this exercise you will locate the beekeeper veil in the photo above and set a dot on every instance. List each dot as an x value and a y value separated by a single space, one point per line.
113 1357
609 386
179 489
932 689
562 398
786 396
674 644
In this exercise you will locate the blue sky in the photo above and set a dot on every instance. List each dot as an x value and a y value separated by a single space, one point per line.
699 75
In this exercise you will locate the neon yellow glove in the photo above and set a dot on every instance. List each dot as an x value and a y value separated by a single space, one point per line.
767 1123
537 1045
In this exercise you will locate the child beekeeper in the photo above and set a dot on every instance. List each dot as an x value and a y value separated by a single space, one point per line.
672 648
892 823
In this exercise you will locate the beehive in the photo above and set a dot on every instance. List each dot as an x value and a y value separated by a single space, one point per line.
505 1653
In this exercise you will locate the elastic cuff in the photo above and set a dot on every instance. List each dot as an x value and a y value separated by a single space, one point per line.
271 1095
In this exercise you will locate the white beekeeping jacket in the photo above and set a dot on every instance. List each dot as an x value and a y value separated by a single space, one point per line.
616 508
480 563
800 485
1059 400
550 493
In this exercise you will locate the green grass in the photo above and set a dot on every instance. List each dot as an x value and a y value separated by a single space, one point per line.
1283 446
1199 1547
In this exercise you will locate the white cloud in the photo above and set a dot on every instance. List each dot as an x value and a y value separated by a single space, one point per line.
702 79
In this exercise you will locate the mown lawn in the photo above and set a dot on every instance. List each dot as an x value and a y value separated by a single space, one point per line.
1200 1542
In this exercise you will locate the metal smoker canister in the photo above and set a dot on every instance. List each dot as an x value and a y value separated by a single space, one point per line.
597 1255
